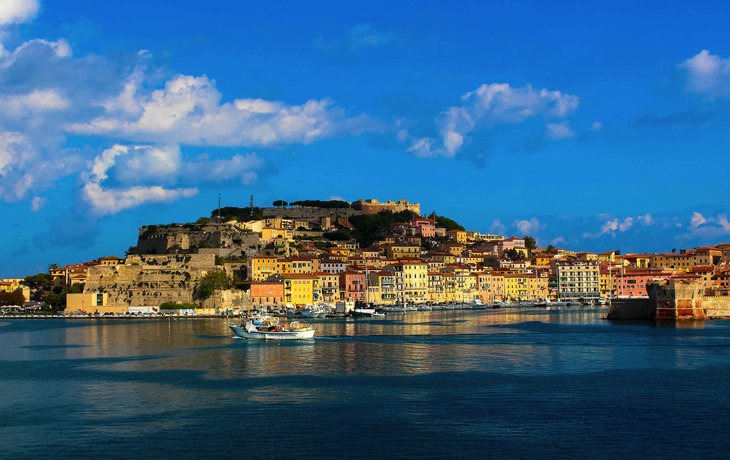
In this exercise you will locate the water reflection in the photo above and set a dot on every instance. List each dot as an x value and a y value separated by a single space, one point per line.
504 340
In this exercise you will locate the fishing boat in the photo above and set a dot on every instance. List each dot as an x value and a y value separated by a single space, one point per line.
268 327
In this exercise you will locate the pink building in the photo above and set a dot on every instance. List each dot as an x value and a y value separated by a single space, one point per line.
632 283
352 286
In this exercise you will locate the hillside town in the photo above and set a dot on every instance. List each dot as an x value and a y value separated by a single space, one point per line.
325 252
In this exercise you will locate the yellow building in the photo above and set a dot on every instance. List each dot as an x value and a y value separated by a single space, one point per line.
449 287
607 256
329 287
415 282
111 260
543 259
299 288
436 291
516 287
399 251
261 267
454 248
457 235
341 251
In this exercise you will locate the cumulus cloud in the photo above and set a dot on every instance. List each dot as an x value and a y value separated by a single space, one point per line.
47 94
614 225
491 105
497 227
110 201
596 126
707 228
528 227
189 111
707 75
18 11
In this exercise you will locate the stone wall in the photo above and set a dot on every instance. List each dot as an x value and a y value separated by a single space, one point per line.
675 300
227 300
150 280
306 212
163 239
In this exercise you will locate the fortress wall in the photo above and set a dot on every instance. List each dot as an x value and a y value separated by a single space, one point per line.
305 212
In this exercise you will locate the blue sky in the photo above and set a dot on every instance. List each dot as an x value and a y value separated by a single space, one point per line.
590 127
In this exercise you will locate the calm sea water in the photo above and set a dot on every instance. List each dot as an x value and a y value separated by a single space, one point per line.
474 384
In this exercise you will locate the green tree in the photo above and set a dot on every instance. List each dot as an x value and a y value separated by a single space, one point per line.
216 279
550 247
41 280
132 250
618 252
530 243
280 204
202 221
448 224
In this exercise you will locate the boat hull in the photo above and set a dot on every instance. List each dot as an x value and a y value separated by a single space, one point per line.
288 335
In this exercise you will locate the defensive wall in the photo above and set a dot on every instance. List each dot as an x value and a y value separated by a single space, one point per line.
226 239
672 300
374 207
308 212
151 280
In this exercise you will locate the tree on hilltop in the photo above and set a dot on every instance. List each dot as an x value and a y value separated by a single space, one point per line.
280 204
530 243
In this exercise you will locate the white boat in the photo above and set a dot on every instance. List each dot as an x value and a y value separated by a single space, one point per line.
426 308
411 308
268 327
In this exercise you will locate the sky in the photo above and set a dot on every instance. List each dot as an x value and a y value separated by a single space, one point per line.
589 126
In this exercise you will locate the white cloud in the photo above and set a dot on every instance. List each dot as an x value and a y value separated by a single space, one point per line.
37 204
18 11
707 75
335 198
497 227
38 100
558 131
189 111
111 201
617 225
626 224
557 240
646 219
47 94
597 126
528 227
490 105
706 227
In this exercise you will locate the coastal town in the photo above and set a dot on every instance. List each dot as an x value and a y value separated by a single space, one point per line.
364 252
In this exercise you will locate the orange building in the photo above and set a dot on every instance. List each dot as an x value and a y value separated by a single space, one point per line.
267 293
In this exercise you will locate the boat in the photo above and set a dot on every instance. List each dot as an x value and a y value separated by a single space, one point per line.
426 308
268 327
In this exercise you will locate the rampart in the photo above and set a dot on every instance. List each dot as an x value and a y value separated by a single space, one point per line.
373 206
673 300
228 239
308 212
150 280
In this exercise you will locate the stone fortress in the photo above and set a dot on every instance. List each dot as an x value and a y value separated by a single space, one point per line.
172 259
218 239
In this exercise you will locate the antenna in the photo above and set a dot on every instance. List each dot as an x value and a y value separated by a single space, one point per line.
219 207
251 205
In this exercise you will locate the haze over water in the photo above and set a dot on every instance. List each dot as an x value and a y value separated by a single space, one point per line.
473 384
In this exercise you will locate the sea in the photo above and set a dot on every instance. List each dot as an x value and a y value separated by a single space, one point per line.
504 383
